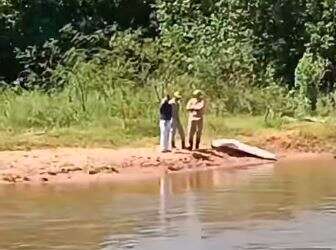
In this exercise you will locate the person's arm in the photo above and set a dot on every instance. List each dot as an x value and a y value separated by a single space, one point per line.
190 105
163 101
174 110
199 105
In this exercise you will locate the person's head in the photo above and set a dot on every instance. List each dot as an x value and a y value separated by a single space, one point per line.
167 98
198 94
177 95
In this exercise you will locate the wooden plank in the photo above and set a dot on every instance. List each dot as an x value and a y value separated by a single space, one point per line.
231 145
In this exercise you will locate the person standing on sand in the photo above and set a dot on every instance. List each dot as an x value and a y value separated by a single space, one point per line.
196 109
166 114
176 122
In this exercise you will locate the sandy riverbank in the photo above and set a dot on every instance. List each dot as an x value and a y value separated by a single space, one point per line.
76 165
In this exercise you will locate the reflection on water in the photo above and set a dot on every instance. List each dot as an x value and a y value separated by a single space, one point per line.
290 205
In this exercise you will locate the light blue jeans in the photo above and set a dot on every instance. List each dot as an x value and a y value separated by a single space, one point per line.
165 127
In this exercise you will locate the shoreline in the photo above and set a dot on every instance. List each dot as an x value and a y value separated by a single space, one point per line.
99 165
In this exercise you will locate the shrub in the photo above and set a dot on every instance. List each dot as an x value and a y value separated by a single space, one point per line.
308 75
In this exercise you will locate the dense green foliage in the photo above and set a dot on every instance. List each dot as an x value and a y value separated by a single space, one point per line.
119 57
308 76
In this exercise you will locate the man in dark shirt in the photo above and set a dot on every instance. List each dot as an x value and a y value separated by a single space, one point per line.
166 113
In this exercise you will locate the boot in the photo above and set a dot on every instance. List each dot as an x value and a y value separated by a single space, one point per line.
183 145
173 144
198 142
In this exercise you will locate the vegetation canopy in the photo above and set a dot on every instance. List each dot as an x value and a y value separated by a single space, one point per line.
95 61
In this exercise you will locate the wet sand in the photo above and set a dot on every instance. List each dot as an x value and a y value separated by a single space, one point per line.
76 165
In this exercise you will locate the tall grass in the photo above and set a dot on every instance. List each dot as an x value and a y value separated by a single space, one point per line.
104 105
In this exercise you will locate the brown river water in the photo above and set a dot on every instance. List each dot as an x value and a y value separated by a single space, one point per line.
290 205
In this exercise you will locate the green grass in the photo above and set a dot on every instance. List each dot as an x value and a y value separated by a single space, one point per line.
144 133
66 119
71 137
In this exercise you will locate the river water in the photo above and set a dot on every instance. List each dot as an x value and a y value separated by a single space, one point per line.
285 206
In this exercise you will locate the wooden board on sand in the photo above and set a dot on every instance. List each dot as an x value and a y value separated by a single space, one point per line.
231 145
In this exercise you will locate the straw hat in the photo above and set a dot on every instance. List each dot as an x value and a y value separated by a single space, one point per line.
197 92
177 95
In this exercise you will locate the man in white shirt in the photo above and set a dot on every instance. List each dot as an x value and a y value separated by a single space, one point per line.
196 109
